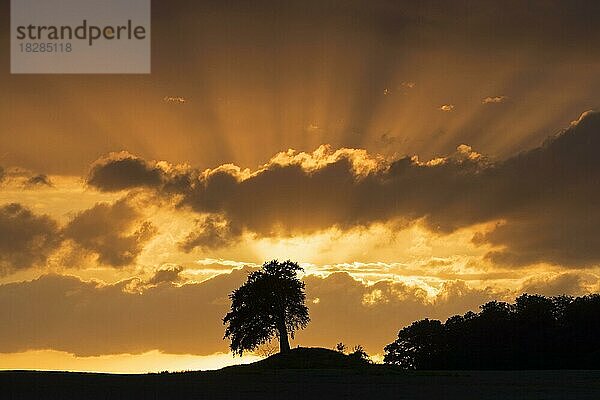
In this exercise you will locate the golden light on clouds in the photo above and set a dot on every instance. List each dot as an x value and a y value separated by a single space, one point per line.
494 99
174 99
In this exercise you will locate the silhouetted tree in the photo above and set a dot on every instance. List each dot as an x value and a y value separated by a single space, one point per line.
341 347
270 303
535 332
416 345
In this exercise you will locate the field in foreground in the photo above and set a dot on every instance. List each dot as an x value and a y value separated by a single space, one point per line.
310 374
302 384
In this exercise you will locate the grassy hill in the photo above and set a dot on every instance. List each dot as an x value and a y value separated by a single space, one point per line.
306 358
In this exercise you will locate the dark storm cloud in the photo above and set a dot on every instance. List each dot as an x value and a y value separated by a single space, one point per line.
26 239
113 232
87 318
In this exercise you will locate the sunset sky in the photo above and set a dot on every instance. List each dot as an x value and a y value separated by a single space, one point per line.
417 158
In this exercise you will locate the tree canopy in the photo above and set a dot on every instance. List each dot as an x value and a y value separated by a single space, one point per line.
535 332
270 304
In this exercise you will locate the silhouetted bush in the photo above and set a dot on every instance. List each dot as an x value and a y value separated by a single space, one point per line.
359 354
535 332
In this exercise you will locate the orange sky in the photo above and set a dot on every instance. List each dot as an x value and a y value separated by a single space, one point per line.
443 156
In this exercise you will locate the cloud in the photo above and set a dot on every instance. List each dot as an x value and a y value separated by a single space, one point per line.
568 283
114 232
119 171
301 193
26 239
174 99
24 178
543 199
446 107
38 180
494 100
167 274
89 318
212 233
546 197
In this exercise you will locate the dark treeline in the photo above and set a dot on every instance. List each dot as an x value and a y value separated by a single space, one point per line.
535 332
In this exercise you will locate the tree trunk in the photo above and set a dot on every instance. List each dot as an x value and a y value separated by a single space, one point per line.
284 343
